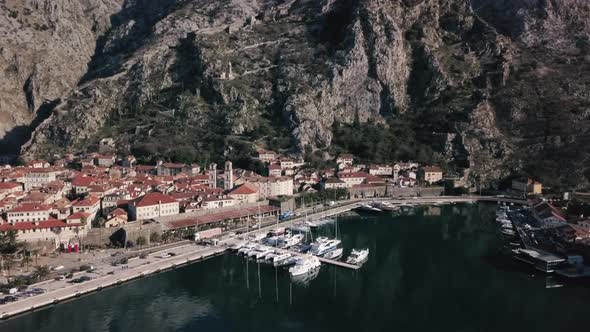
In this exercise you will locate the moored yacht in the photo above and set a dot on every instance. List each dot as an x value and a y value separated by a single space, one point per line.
358 257
290 240
368 208
334 254
319 248
280 258
246 248
305 265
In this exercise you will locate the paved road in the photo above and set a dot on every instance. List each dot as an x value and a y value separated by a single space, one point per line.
61 290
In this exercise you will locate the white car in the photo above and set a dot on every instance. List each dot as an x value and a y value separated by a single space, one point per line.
164 256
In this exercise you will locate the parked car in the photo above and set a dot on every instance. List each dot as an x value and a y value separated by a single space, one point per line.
60 277
10 298
37 291
2 301
171 254
85 278
164 256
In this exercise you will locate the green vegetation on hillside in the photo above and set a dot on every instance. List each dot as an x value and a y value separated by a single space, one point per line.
380 143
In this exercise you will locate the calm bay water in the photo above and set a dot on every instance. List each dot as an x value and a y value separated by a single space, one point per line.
431 271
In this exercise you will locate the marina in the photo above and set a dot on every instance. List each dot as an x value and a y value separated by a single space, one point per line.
98 284
231 293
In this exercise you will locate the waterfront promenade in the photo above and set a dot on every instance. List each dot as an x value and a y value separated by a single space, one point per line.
107 275
186 252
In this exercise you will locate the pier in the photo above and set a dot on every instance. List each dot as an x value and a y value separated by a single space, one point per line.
339 263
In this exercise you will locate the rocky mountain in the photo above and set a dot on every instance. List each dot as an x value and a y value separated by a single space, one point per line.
45 46
493 87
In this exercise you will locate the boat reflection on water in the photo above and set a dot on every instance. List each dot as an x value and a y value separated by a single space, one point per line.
306 278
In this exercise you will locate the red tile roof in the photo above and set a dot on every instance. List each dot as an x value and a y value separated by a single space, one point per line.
83 181
9 185
28 207
90 201
353 175
19 226
244 189
217 217
78 215
153 198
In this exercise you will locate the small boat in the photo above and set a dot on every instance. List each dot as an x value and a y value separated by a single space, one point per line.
288 261
507 231
280 258
245 248
276 232
301 247
262 253
300 227
304 279
334 254
319 248
367 208
256 236
289 241
256 250
272 241
385 206
304 266
358 257
311 224
236 246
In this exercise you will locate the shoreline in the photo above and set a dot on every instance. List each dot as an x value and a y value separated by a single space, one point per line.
73 291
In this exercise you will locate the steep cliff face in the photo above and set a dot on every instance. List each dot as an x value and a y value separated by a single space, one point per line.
45 46
481 79
544 104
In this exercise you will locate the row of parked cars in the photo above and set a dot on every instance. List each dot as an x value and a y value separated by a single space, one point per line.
22 294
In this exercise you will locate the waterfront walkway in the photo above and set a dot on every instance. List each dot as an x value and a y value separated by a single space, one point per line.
185 253
61 290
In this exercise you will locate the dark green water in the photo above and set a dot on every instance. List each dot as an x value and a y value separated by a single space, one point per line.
426 272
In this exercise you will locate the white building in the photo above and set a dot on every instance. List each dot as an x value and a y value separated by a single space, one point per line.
352 179
272 186
38 177
153 205
246 193
216 202
28 212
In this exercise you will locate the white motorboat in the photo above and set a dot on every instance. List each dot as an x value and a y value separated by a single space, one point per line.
287 261
291 240
304 266
273 241
334 254
271 255
507 231
304 279
257 249
262 254
358 257
386 206
256 236
300 227
311 224
238 245
246 247
368 208
322 247
279 258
